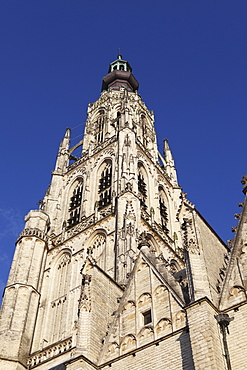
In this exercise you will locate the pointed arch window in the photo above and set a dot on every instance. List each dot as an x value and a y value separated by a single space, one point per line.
144 129
163 210
105 182
63 274
142 187
100 126
98 249
59 304
75 204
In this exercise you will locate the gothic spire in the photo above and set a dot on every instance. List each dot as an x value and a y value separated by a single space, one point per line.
170 165
63 153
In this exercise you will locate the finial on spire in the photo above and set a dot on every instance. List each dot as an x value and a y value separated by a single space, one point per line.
63 154
170 165
119 54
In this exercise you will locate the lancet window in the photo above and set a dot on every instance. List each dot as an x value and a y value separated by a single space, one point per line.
98 249
75 204
142 187
59 302
63 275
100 126
144 130
163 210
105 182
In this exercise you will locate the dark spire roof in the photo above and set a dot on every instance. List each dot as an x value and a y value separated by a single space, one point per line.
120 76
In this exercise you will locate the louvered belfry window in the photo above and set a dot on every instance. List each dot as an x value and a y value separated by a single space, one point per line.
142 188
105 186
100 126
144 130
163 211
75 205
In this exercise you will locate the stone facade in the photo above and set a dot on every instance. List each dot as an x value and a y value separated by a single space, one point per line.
117 268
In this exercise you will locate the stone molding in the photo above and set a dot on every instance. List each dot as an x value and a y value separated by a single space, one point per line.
33 232
85 155
83 225
49 352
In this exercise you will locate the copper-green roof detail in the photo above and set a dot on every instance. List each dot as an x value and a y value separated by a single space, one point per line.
120 76
120 65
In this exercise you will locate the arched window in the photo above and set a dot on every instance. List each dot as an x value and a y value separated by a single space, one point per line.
98 249
63 274
144 130
105 185
142 187
59 305
100 126
75 204
163 210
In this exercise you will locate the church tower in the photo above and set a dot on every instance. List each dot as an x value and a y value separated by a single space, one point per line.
117 268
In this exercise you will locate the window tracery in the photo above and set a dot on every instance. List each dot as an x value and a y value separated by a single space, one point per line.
100 126
163 210
60 296
99 242
142 187
144 130
63 272
105 186
75 204
97 248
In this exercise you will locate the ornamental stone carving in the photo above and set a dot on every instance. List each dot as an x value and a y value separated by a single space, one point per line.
85 296
189 234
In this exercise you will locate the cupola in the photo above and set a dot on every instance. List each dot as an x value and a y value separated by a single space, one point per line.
120 76
120 65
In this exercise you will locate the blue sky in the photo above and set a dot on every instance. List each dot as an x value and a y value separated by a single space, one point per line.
190 59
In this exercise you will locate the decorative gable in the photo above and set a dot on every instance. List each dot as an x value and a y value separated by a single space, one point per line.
148 310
